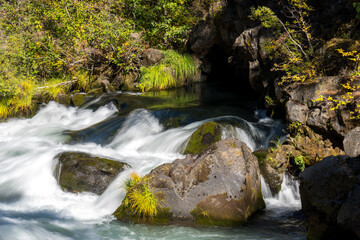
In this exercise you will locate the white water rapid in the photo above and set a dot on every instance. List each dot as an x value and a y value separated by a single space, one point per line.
32 205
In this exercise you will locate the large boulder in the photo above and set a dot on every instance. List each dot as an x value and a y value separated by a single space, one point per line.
352 142
81 172
207 134
219 187
330 196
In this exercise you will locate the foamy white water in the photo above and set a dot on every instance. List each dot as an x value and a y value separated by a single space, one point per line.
32 205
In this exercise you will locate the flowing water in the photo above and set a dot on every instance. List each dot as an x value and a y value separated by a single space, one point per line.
143 130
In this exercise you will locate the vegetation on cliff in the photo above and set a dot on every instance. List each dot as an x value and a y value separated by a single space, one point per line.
297 55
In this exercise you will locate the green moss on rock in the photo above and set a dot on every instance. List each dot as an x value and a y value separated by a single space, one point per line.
78 99
203 137
78 172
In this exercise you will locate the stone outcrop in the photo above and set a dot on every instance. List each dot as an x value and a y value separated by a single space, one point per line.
81 172
248 53
330 196
221 186
352 142
207 134
306 106
273 163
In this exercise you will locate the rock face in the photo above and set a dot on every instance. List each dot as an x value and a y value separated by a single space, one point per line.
352 142
330 196
306 107
248 53
203 137
219 187
273 163
79 172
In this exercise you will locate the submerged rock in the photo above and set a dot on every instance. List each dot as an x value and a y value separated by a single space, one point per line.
203 137
330 197
221 186
81 172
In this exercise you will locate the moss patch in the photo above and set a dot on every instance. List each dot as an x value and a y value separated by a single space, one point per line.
78 172
78 99
203 137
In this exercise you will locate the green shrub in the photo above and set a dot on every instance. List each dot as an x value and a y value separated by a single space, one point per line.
299 161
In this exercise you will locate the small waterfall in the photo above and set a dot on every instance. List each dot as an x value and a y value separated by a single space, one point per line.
287 199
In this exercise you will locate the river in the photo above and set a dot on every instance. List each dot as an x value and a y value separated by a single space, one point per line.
143 130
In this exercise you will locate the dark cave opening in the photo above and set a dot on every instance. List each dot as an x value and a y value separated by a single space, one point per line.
233 78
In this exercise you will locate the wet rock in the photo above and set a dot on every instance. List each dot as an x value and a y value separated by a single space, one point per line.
352 142
78 99
203 137
81 172
273 163
94 92
63 98
330 196
221 186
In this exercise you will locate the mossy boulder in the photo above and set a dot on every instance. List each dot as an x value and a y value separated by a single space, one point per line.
203 137
81 172
78 99
63 98
220 187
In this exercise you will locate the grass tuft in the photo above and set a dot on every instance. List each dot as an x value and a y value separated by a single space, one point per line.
173 71
139 199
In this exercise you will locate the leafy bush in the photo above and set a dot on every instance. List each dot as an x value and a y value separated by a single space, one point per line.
292 48
164 23
139 199
299 161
